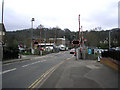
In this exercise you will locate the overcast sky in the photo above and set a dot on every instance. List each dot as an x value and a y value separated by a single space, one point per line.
60 13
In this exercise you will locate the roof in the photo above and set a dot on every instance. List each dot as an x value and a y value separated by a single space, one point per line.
2 25
57 39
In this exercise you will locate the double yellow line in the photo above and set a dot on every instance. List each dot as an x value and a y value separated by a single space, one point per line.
44 75
7 64
70 58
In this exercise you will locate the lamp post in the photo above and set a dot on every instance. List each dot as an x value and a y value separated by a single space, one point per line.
2 33
1 44
40 39
32 50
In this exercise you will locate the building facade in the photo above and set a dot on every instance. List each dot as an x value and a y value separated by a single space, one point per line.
2 33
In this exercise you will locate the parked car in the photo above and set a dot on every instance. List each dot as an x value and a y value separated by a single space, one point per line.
72 51
42 49
66 48
117 49
100 50
48 48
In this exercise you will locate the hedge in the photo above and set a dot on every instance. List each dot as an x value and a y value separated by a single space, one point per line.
10 53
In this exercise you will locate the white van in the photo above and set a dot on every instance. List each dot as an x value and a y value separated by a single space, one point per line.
62 47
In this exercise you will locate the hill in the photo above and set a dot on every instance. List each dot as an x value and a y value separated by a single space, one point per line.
94 38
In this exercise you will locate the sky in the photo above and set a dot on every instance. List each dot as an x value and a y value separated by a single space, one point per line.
60 13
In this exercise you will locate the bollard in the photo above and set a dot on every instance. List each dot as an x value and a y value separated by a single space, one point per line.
98 58
77 54
41 52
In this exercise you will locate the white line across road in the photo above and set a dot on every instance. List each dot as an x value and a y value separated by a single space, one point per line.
6 71
33 63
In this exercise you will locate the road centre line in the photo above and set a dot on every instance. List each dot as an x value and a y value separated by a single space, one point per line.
51 70
47 75
33 63
43 76
32 85
6 71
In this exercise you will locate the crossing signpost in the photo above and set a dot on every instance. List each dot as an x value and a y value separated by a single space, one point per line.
76 43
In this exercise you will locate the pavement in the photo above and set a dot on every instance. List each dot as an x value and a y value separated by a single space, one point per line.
82 74
115 64
23 57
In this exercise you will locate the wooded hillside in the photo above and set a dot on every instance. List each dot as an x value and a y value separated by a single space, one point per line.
94 38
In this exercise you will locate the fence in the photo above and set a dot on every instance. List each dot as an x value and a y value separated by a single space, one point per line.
10 53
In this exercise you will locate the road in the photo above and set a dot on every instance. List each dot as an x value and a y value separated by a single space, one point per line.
58 70
23 74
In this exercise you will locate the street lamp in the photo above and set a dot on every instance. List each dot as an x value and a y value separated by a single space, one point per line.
2 33
32 50
40 39
2 29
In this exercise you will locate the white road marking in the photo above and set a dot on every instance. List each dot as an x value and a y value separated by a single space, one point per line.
41 57
92 67
6 71
33 63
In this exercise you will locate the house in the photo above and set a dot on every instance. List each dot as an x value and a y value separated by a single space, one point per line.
58 41
2 33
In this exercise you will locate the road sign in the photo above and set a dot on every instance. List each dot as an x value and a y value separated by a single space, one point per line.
75 42
85 39
89 51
